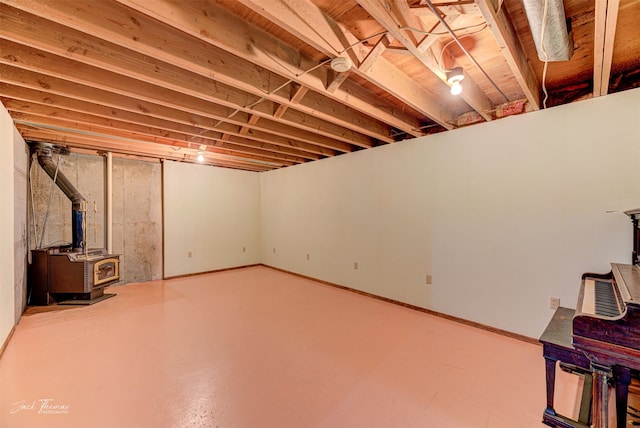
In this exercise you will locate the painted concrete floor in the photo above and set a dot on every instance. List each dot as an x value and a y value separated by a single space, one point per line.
256 347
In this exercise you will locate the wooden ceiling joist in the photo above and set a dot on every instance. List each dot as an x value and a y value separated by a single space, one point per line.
310 25
217 27
448 8
140 148
250 82
102 57
512 50
164 49
92 77
26 85
606 19
62 120
163 54
472 94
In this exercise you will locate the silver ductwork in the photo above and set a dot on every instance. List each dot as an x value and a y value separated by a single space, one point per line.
557 37
44 153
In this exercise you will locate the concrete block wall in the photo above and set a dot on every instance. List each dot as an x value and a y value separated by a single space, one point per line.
137 210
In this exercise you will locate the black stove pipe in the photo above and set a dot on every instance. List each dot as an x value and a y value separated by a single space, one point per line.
44 152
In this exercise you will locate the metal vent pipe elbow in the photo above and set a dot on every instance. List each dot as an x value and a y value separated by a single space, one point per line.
43 152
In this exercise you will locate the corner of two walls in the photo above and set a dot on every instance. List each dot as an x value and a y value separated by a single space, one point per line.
502 215
13 231
211 218
137 211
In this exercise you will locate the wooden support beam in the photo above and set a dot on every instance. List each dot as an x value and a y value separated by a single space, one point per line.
307 22
405 18
447 8
430 39
92 114
512 50
25 85
374 55
336 79
51 66
297 93
60 119
108 59
606 21
253 119
217 27
472 94
139 148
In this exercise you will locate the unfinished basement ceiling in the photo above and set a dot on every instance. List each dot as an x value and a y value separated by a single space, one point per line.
249 83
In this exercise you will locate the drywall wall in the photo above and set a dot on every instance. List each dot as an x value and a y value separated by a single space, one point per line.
211 218
502 216
13 166
20 247
137 210
7 303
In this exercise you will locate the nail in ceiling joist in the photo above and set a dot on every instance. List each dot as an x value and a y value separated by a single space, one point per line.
512 50
606 20
472 93
312 26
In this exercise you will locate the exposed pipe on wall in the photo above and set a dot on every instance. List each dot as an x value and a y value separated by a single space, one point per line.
78 203
109 219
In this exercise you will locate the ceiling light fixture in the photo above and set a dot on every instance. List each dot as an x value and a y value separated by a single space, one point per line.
454 77
200 157
341 64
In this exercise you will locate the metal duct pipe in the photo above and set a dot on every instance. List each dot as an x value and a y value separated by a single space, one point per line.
78 203
558 43
109 203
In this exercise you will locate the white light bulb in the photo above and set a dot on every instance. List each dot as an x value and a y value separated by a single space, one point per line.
456 88
200 157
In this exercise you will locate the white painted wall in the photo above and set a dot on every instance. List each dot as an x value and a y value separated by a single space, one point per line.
503 215
212 214
13 165
20 244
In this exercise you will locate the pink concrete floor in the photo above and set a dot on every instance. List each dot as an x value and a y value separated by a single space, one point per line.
256 347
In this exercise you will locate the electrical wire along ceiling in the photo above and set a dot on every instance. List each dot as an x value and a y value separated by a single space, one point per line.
259 85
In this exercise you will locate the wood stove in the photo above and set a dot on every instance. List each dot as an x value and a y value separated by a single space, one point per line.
69 274
60 275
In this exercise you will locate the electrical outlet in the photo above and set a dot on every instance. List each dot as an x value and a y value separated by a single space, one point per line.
189 254
554 303
355 265
428 280
274 250
244 249
307 256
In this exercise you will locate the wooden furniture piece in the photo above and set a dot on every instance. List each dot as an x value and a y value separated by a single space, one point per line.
557 346
602 335
606 329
